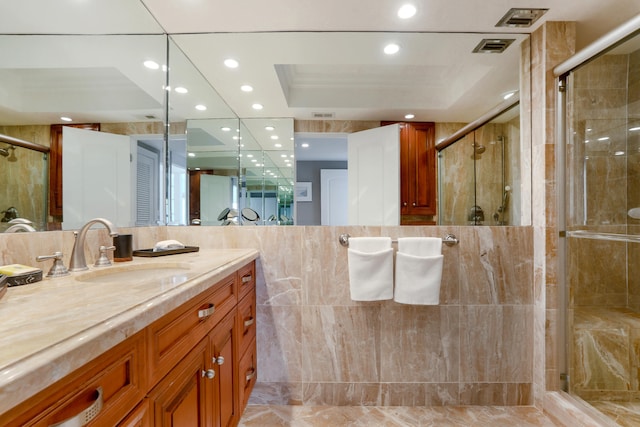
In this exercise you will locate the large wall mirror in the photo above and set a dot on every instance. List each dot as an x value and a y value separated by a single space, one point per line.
152 108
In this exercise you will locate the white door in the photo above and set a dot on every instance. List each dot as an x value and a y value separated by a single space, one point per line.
215 196
374 176
96 178
333 197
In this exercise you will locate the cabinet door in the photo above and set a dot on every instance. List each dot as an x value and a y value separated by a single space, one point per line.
223 350
181 398
422 171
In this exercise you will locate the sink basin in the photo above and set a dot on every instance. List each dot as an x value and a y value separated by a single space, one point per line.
173 272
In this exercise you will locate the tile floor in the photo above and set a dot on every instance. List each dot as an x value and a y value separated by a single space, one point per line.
393 416
626 414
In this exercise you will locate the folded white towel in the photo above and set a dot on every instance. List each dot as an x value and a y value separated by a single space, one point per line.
370 268
418 270
420 246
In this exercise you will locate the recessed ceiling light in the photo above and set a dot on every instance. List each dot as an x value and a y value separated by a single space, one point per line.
152 65
269 128
406 11
391 49
257 106
409 116
274 137
246 88
66 119
277 145
181 89
283 155
305 145
225 129
231 63
201 107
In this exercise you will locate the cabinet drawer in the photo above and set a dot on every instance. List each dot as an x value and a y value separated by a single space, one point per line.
247 279
246 322
103 392
140 417
172 336
248 374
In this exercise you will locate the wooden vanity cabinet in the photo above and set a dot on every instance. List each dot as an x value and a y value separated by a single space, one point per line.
417 172
195 366
116 378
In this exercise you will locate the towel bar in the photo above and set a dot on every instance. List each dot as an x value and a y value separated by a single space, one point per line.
449 240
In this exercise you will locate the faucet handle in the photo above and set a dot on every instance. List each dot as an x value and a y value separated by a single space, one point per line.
103 259
57 269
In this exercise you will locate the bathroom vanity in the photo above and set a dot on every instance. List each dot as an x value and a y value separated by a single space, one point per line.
168 341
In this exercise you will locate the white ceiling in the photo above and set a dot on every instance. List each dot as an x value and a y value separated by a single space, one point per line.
304 56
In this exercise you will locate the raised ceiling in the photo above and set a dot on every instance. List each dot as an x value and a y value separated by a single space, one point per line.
304 57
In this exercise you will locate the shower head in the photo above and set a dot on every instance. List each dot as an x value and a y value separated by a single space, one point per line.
9 152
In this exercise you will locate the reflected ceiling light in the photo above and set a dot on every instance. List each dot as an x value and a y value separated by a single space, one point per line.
290 164
391 49
246 88
236 137
66 119
231 63
409 116
152 65
283 155
254 160
287 160
277 145
225 129
509 94
633 129
181 89
197 169
274 137
305 145
270 128
257 106
406 11
249 155
619 153
589 129
201 107
192 154
604 138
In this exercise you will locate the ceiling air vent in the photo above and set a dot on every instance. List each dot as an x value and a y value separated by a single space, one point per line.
520 17
323 115
492 45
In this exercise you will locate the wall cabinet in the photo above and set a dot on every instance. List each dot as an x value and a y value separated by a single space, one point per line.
195 366
417 173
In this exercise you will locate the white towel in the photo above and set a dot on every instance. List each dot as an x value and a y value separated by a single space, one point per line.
370 268
418 270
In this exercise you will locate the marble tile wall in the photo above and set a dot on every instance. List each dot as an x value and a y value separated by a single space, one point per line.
549 46
27 170
317 347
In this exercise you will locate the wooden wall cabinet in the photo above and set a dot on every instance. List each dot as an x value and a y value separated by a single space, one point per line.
195 366
417 173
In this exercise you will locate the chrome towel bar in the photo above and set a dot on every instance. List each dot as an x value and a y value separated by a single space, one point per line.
449 240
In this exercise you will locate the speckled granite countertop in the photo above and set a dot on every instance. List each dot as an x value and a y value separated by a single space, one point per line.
51 328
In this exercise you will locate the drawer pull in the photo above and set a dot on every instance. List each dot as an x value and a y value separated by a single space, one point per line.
251 374
249 322
246 279
206 312
209 373
219 360
84 417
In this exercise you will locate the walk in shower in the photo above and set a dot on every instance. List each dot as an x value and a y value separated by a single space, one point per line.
479 171
600 111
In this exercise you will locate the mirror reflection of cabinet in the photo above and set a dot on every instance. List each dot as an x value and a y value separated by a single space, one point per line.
417 173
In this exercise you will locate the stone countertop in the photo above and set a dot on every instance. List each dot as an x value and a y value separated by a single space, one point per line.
50 328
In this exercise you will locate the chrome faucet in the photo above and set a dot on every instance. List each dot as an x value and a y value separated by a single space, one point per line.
78 261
